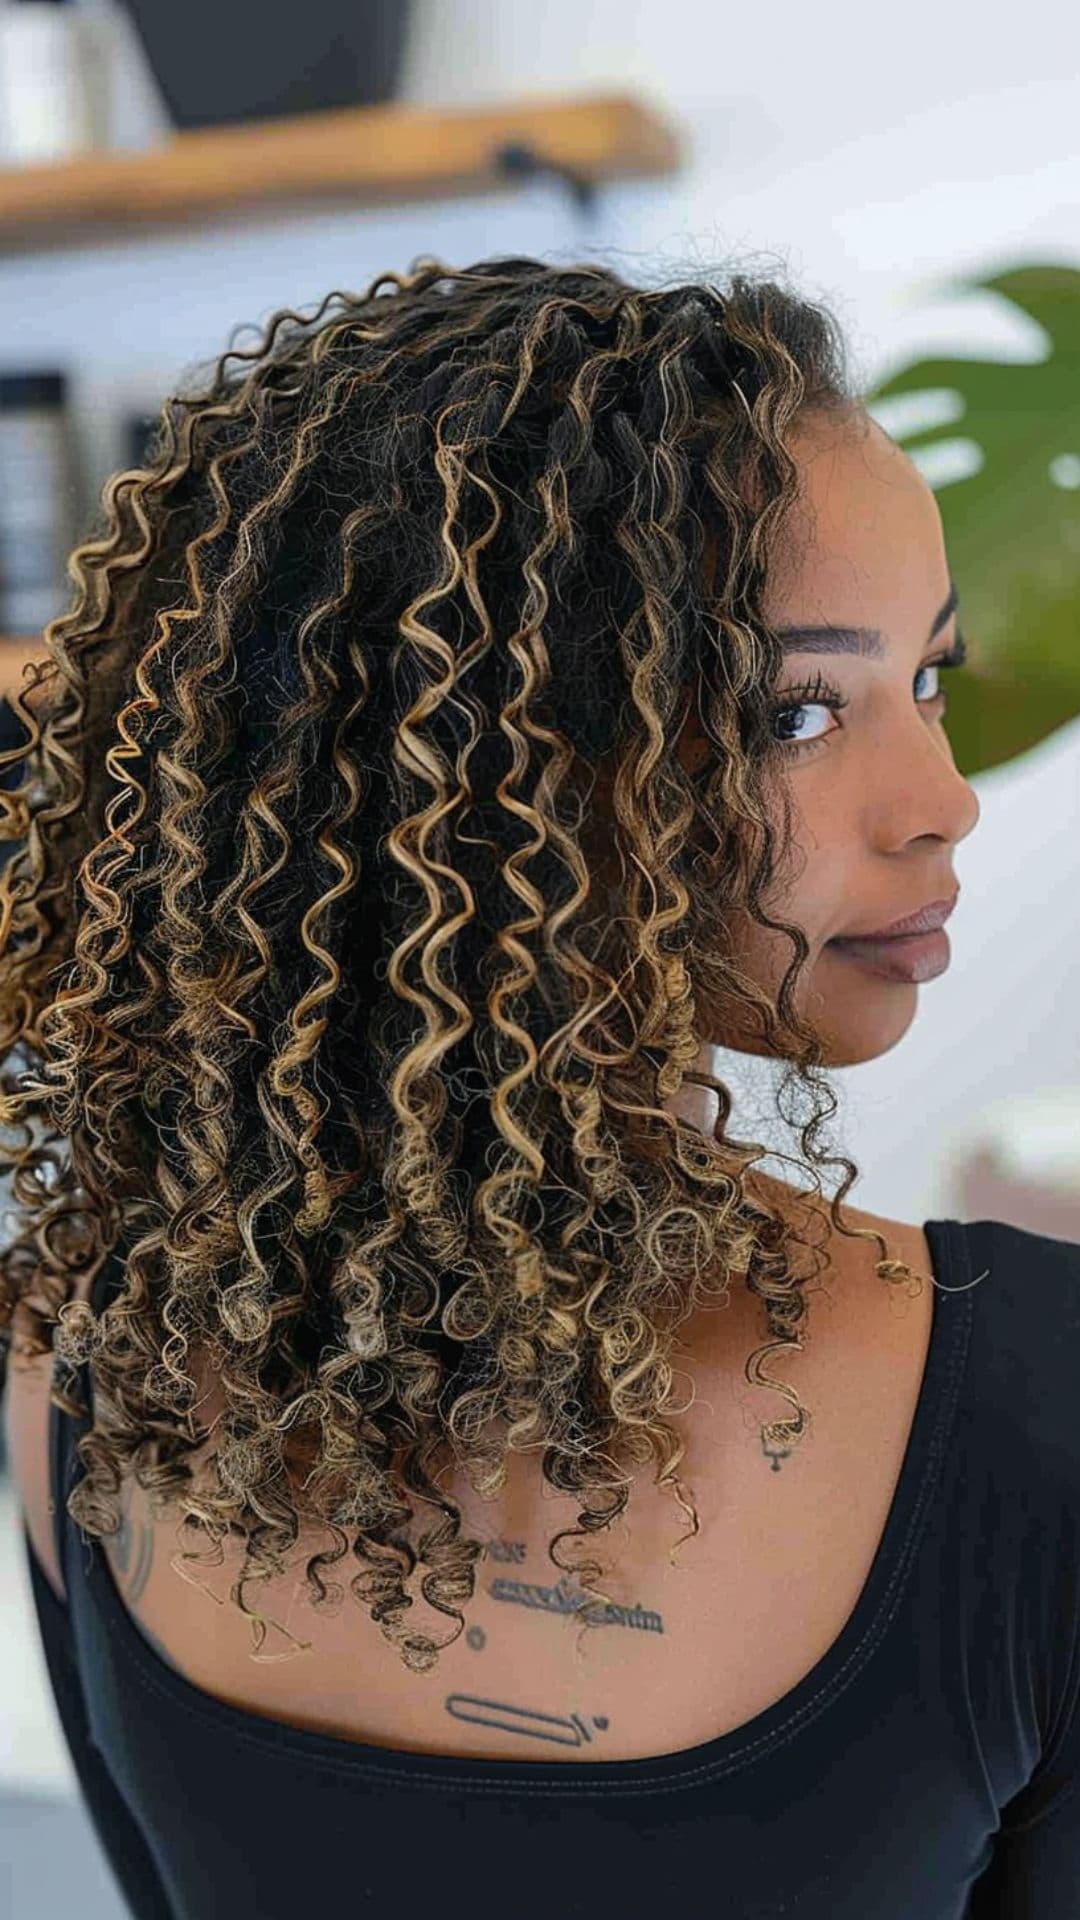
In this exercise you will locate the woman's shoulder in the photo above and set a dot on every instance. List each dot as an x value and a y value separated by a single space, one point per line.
848 1255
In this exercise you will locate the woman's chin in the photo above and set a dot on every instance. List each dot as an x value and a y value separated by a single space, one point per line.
858 1015
864 1025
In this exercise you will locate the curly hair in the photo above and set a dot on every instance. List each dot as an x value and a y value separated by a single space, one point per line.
364 911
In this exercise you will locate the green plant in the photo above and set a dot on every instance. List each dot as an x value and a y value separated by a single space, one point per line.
1012 528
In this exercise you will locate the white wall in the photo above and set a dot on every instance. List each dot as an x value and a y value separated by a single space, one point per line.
877 157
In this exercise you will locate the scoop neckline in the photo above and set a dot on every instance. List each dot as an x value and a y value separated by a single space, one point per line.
826 1680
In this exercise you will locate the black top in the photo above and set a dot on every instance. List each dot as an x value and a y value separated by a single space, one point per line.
925 1767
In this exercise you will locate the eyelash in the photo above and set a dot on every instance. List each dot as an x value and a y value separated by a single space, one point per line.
822 693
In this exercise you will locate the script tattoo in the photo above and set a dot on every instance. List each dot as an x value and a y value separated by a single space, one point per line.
533 1722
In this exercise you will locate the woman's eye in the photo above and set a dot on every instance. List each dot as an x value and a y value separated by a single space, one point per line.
801 700
826 698
792 718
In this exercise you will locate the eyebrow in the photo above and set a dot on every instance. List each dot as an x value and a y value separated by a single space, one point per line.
868 642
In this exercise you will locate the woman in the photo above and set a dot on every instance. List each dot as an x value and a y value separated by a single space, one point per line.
497 692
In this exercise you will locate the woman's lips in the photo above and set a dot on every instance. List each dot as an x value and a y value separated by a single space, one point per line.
910 956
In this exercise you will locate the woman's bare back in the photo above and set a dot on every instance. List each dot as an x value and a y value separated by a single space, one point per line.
693 1649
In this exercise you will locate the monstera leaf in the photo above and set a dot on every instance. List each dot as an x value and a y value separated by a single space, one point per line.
1012 526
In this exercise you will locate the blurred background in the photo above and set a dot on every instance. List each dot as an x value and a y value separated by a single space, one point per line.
169 178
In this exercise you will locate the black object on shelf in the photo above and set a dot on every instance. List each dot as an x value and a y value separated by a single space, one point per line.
265 62
139 430
39 480
12 734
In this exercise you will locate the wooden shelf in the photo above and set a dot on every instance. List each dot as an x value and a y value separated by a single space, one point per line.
362 156
27 646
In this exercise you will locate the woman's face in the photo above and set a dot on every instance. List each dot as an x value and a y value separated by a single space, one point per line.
877 803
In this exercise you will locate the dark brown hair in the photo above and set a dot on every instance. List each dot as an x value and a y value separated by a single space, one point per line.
363 912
